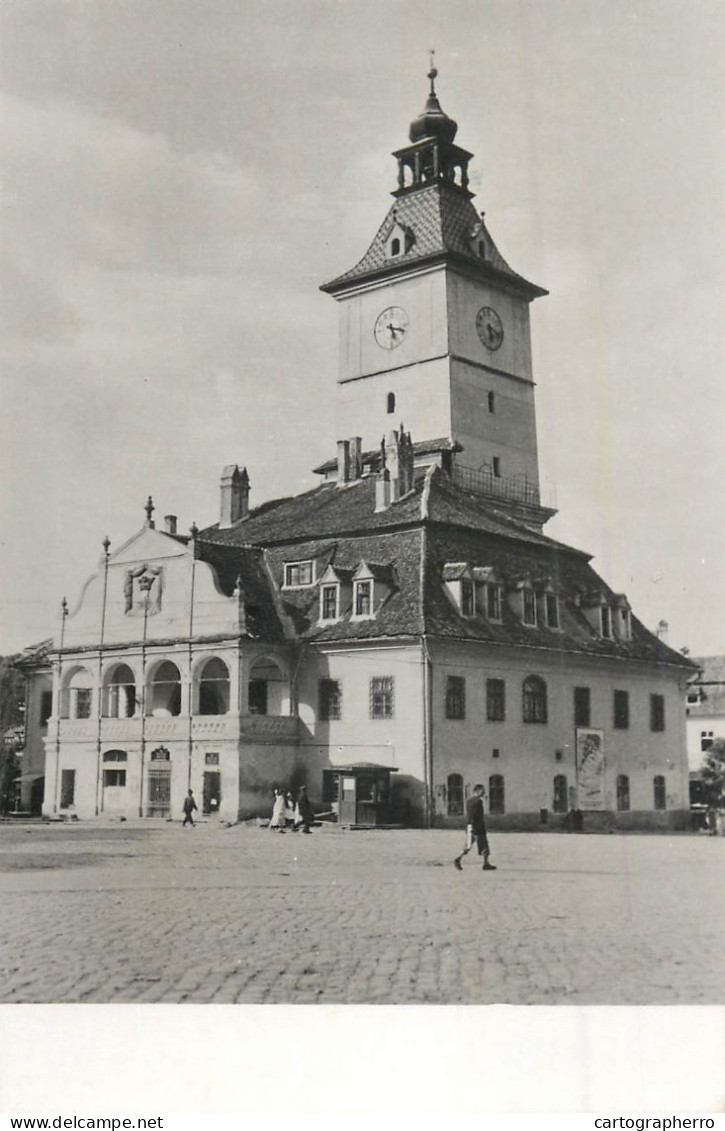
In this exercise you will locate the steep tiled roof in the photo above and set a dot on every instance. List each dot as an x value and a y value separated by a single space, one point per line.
324 512
711 683
570 573
338 526
443 221
398 552
246 564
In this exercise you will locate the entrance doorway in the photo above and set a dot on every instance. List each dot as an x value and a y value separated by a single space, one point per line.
212 792
159 802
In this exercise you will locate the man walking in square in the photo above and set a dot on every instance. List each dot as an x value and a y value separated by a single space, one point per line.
476 831
189 807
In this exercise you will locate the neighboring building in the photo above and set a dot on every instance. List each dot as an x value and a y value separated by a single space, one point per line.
35 665
705 707
409 612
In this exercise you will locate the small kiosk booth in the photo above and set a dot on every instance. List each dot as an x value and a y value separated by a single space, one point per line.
360 794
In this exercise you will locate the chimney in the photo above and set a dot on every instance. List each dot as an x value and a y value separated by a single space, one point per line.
399 458
343 461
234 495
355 450
170 523
662 631
382 490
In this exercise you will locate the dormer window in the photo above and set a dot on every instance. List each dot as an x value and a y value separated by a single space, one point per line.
528 606
606 614
551 606
298 574
334 594
597 609
458 582
399 241
371 586
329 600
493 602
363 598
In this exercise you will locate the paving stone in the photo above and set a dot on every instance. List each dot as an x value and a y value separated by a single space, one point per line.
145 915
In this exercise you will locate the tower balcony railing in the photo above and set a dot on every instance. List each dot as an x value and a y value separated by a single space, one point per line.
516 489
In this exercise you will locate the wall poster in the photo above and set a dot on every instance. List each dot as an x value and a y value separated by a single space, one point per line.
590 768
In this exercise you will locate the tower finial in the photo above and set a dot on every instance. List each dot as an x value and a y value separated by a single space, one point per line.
432 73
149 508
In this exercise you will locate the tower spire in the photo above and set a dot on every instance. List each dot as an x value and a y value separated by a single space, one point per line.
432 73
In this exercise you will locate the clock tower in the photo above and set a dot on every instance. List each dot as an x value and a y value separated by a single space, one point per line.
434 324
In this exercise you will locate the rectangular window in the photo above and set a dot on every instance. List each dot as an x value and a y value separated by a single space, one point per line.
656 712
330 699
46 707
706 739
660 792
621 710
455 697
467 599
606 621
329 602
83 702
582 707
552 610
382 697
623 793
529 606
211 759
67 788
493 602
495 700
297 574
114 777
363 598
496 794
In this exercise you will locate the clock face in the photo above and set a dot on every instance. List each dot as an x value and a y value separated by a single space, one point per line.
489 327
391 327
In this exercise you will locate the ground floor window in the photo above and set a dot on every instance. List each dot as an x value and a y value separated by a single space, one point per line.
623 793
382 702
454 795
114 777
67 788
660 792
496 798
561 794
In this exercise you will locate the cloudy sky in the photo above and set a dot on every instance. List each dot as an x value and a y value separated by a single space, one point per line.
179 177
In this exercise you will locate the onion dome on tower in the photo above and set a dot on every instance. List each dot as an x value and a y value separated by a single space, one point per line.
433 122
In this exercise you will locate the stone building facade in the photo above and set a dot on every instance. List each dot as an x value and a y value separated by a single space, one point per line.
408 613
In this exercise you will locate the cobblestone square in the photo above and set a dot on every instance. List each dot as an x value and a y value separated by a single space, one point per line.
151 912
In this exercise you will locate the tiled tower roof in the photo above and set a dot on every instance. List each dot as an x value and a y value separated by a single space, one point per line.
443 222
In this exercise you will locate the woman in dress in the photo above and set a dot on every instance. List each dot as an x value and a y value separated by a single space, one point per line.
277 820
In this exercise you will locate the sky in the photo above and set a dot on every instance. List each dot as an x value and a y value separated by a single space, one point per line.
178 179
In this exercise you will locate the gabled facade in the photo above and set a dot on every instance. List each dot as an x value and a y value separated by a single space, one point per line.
409 613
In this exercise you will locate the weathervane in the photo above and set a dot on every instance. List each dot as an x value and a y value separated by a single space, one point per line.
432 73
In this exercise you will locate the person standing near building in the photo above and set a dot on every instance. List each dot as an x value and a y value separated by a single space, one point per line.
476 831
278 819
304 816
189 807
